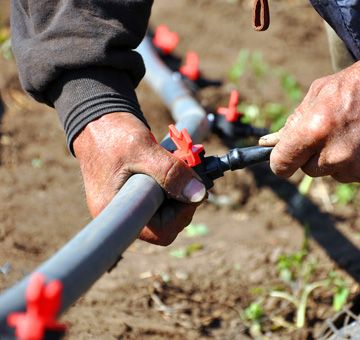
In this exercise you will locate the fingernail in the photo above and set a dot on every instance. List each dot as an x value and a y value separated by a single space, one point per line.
194 191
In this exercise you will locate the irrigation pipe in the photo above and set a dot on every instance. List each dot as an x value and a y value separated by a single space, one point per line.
99 246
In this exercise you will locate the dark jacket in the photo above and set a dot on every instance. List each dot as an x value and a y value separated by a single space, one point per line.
77 55
344 17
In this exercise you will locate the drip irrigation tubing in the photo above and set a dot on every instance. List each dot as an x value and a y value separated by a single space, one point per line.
99 245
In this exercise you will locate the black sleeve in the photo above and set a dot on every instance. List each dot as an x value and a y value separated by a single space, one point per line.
77 55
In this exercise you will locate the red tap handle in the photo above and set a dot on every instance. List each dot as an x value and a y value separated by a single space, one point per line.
186 151
165 40
231 114
43 303
191 69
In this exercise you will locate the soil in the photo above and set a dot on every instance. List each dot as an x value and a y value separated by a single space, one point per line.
152 294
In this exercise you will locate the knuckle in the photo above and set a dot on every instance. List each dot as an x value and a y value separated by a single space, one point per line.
176 175
317 85
280 164
319 128
281 171
172 170
343 157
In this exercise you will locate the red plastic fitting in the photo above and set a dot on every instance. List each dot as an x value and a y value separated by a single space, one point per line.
43 303
231 114
186 151
165 40
191 68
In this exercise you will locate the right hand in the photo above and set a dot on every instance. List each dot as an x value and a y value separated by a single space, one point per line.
322 136
117 145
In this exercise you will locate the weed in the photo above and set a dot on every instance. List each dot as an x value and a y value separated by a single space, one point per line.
193 230
239 67
182 252
289 85
297 271
305 185
341 290
252 316
260 113
345 193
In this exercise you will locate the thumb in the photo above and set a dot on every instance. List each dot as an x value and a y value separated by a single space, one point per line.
270 140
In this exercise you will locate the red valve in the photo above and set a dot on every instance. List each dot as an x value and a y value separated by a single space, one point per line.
230 112
165 40
191 69
186 150
43 303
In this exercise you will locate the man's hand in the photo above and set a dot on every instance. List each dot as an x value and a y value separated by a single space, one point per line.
322 136
115 146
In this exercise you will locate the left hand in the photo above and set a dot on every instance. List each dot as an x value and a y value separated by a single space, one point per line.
117 145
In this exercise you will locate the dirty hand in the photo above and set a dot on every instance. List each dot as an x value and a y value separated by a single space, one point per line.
322 136
117 145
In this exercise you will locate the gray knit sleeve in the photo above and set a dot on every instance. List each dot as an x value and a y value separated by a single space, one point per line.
78 55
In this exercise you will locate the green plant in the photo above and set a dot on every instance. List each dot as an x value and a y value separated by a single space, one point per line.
298 273
193 230
258 66
252 317
305 185
256 110
289 85
183 252
239 67
345 192
341 290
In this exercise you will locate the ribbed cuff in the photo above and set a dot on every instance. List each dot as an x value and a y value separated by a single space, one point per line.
81 96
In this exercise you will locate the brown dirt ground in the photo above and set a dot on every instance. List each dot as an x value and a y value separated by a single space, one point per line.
150 294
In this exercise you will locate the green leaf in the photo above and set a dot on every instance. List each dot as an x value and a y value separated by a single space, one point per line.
258 65
305 185
179 253
345 193
340 298
185 252
251 112
254 312
37 163
6 49
275 111
237 266
239 68
193 230
289 266
278 124
257 290
291 88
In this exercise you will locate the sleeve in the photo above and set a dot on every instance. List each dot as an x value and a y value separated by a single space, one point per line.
78 56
